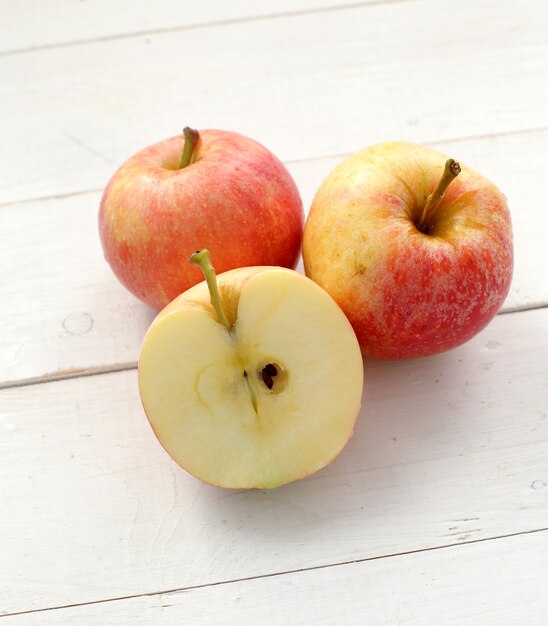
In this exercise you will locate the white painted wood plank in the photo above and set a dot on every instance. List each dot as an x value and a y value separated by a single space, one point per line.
67 312
494 583
305 86
93 508
29 24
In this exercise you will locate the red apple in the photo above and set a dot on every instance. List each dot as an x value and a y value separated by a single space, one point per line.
419 257
216 189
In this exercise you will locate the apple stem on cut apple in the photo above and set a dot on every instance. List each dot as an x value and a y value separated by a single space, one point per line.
191 139
203 260
451 171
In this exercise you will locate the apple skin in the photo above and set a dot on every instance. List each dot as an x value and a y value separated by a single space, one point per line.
409 293
235 198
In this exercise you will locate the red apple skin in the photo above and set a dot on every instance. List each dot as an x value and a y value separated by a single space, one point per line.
408 293
235 198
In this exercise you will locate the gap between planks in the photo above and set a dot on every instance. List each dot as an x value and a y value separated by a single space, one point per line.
200 26
132 365
69 374
276 574
340 155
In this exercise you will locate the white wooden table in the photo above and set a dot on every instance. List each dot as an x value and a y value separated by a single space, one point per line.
437 511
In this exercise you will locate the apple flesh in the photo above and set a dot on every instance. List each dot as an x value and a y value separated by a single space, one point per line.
268 398
232 195
412 283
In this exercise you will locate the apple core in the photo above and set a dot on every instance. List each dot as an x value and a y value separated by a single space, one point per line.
274 376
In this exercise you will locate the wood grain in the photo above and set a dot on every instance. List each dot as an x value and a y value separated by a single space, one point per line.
304 85
30 25
484 584
67 313
94 508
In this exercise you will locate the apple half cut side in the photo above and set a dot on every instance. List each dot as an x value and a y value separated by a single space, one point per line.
256 387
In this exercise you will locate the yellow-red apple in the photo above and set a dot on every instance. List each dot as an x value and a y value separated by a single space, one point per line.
254 383
217 189
415 248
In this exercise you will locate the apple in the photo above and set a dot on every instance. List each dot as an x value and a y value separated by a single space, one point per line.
254 381
415 248
213 188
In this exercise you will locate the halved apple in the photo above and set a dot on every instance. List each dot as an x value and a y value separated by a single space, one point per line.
255 382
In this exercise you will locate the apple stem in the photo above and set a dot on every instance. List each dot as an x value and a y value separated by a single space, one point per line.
203 260
451 171
191 139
